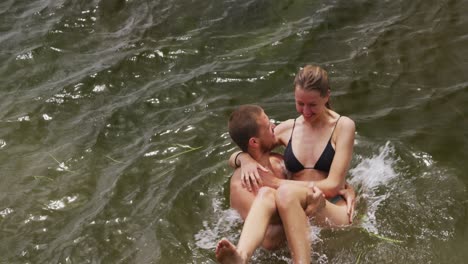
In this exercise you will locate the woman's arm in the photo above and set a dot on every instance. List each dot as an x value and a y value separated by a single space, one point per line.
233 163
349 195
283 132
250 178
344 144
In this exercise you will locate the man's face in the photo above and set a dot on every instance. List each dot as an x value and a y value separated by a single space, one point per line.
266 133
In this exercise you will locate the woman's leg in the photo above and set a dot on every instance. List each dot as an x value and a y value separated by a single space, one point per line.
332 215
255 226
291 201
257 221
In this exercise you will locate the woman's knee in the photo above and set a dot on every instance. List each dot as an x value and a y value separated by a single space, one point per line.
267 195
266 192
285 195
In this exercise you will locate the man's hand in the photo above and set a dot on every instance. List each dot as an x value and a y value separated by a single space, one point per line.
315 200
349 195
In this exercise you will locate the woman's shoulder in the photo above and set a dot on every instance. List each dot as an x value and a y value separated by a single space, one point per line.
346 122
345 125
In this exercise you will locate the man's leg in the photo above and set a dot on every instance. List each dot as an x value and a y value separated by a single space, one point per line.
253 232
275 237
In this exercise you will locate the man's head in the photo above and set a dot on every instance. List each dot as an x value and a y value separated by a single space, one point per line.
250 126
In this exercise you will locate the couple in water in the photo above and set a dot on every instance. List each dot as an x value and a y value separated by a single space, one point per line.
277 194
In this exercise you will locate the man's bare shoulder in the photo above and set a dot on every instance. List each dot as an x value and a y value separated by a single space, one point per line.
240 198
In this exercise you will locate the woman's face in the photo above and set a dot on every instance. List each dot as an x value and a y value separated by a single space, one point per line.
309 103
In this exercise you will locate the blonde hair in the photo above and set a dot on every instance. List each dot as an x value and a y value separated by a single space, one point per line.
313 78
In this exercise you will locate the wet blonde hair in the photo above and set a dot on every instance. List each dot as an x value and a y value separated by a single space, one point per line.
313 78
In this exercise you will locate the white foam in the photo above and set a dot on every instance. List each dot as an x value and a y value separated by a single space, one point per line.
61 204
2 143
213 231
6 212
99 88
370 174
376 170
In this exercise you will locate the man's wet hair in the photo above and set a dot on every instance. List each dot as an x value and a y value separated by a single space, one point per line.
243 124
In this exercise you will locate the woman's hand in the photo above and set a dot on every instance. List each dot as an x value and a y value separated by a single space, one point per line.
349 195
250 177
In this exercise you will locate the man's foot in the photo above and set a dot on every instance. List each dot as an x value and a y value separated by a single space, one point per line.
315 200
226 253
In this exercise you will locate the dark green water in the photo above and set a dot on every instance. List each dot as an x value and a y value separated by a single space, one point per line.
113 117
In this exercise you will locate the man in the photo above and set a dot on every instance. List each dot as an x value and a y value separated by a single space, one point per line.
271 213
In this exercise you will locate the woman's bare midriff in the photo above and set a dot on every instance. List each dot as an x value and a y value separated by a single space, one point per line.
309 175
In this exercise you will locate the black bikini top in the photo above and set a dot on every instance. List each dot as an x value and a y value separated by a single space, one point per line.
323 163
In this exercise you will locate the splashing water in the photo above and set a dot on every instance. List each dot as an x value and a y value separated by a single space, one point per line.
404 198
370 174
213 231
406 192
375 171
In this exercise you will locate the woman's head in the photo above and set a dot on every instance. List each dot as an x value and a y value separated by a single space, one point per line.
311 90
313 78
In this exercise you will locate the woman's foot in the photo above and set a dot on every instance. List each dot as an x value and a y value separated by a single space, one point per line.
226 253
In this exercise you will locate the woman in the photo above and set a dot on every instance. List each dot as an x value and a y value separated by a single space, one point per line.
319 146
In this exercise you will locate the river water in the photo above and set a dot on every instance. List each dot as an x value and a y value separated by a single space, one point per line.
113 113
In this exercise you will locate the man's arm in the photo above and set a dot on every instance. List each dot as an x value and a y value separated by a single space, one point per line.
274 182
240 198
